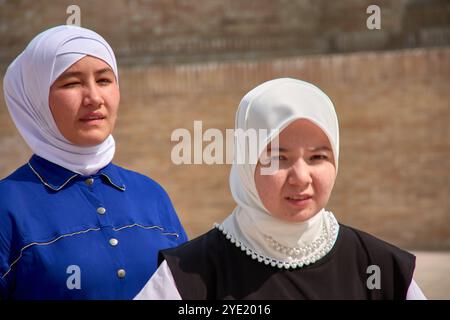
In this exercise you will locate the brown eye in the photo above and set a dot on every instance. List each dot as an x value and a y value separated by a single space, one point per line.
71 84
318 157
104 81
278 158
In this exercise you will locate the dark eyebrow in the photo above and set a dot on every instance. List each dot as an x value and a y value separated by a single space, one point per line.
70 74
321 148
314 149
269 148
104 70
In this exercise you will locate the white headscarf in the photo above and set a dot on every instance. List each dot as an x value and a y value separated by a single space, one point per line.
273 105
27 84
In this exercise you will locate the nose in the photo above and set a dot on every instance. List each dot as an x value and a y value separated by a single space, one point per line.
300 174
92 96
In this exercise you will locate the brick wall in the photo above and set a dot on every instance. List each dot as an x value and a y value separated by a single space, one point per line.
393 108
157 31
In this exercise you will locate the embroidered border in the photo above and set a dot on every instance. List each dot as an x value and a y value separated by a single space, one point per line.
81 232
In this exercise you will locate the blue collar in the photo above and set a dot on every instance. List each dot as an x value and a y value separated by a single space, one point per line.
56 177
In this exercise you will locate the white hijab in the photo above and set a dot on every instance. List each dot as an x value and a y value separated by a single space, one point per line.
27 84
273 105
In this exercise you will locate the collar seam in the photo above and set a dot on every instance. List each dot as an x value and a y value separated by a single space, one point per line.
122 188
48 185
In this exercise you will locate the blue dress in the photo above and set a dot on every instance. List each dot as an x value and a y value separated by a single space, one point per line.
67 236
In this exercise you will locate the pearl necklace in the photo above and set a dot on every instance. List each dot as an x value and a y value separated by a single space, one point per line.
296 257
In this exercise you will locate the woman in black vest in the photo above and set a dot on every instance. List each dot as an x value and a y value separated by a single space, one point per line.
280 242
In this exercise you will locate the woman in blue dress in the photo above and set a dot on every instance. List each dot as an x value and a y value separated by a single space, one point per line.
73 224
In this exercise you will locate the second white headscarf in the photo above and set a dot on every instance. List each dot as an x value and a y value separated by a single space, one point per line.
272 106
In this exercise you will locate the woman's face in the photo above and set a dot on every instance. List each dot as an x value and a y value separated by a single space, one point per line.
306 173
84 102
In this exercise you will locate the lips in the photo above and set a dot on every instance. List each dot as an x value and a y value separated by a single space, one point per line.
93 117
299 197
299 200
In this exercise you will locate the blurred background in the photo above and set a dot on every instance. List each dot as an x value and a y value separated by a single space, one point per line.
185 60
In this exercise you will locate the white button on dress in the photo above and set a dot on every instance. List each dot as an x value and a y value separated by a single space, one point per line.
121 273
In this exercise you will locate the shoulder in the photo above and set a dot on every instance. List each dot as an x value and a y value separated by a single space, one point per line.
198 249
196 264
153 196
138 180
13 190
372 242
196 245
19 174
20 179
377 250
394 265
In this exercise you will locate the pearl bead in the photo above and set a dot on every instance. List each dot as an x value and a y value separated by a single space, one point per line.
304 255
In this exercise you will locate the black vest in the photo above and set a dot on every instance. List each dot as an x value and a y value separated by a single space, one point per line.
211 267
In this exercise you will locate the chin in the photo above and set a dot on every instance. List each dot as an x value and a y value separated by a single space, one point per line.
89 141
300 216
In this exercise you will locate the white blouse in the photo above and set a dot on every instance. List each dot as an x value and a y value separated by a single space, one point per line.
161 286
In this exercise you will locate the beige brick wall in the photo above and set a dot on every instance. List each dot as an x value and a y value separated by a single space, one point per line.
394 112
147 31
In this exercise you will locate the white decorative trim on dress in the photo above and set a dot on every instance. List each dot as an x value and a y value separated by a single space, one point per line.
305 255
84 231
67 181
48 185
115 185
148 227
46 243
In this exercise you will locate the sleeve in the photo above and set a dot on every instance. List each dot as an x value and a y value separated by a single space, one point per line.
5 253
173 218
161 286
414 292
